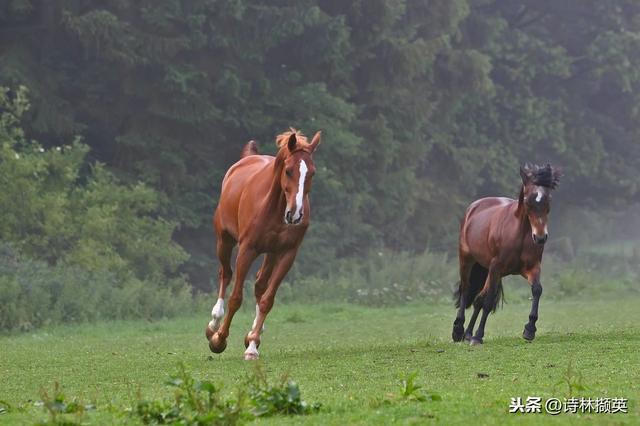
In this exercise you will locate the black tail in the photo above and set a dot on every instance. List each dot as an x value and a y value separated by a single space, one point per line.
477 279
251 148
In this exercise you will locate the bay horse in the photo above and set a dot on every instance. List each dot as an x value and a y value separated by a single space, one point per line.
499 237
264 208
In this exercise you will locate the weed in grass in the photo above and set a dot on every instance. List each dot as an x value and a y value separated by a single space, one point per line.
200 402
195 403
573 379
61 411
282 398
411 391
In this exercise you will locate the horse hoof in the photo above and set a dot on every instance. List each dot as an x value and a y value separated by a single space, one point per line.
217 344
475 341
457 334
252 351
250 356
467 337
528 335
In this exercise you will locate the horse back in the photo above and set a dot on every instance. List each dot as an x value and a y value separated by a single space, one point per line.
241 177
483 224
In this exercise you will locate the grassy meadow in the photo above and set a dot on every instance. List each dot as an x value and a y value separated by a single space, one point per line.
350 359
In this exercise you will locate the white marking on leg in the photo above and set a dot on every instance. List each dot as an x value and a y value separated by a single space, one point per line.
252 351
255 320
217 313
218 308
300 194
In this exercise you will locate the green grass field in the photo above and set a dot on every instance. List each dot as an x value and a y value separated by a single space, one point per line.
349 359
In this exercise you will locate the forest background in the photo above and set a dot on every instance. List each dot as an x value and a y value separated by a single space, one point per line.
119 118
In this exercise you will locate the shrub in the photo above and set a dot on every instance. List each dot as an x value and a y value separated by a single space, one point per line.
379 279
78 244
34 293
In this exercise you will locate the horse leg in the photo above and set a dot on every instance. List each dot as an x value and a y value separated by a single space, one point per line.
486 300
224 247
280 268
465 271
472 321
246 256
533 277
262 279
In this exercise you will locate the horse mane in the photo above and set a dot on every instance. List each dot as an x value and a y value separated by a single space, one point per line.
546 176
283 138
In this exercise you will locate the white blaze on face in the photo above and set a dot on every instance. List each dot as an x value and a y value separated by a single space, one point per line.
299 196
539 197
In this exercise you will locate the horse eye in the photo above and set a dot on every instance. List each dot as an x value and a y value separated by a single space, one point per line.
289 172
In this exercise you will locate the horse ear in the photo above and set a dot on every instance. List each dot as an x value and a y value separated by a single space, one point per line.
315 141
292 143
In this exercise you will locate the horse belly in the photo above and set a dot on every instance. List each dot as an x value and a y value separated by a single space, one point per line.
475 239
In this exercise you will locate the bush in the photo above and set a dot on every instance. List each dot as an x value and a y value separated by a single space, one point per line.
34 293
379 279
392 279
77 244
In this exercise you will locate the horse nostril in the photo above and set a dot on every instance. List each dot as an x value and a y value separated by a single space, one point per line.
540 240
289 216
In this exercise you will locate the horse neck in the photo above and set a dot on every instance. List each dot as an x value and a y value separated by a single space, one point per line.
275 196
521 214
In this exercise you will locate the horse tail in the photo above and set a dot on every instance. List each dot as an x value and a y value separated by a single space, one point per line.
477 278
251 148
499 296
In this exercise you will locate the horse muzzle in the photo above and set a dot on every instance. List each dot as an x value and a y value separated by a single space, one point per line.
290 220
540 240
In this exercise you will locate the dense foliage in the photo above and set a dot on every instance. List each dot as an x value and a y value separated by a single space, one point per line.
76 244
424 104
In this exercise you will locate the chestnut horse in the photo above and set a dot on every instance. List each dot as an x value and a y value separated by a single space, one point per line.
264 208
500 237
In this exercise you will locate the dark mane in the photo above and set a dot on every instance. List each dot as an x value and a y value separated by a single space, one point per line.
546 176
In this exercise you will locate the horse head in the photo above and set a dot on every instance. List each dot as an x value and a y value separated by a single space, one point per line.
535 197
296 167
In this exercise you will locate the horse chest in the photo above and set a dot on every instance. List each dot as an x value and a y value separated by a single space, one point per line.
280 239
519 257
